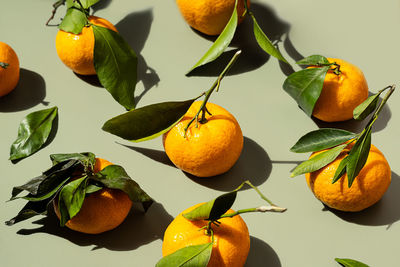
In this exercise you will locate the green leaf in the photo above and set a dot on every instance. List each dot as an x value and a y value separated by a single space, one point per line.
47 195
191 256
222 42
88 3
116 65
91 188
33 132
305 87
86 158
29 210
74 21
322 139
114 176
71 199
350 263
366 107
264 42
214 209
358 155
314 60
147 122
319 161
341 170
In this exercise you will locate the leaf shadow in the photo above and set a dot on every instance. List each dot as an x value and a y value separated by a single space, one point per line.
384 212
135 29
261 253
252 57
30 91
138 229
253 164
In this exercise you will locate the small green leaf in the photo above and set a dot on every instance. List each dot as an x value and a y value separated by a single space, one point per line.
366 107
214 209
87 158
88 3
264 42
91 188
191 256
147 122
314 60
116 65
341 170
29 210
222 42
4 65
305 87
74 21
322 139
350 263
33 132
319 161
71 199
358 155
114 176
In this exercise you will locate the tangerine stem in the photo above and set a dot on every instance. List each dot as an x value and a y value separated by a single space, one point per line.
259 209
4 65
56 5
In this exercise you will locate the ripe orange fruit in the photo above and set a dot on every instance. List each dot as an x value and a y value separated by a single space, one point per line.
231 239
101 211
341 93
209 16
76 50
210 149
367 189
9 75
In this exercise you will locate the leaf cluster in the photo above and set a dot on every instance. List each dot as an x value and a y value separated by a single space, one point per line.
69 181
337 141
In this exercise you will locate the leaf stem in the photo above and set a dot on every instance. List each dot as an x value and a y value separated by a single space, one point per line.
208 93
56 5
259 209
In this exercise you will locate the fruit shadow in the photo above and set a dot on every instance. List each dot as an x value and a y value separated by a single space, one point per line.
385 212
253 164
261 254
138 229
252 57
135 29
30 91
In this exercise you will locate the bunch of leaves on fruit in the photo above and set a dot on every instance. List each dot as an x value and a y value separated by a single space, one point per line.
89 194
9 69
339 153
329 89
221 18
211 233
200 138
91 45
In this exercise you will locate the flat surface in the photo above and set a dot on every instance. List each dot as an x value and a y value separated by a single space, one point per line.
362 32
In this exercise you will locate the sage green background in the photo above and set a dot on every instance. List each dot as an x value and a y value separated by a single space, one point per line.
365 33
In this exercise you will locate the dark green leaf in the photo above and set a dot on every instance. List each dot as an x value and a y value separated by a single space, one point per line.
319 161
71 199
116 65
314 60
88 3
87 158
214 209
49 180
33 133
350 263
191 256
358 155
147 122
74 21
366 107
322 139
222 42
265 43
341 170
114 176
47 195
305 87
29 210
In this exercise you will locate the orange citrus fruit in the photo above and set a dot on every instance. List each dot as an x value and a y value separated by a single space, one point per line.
76 50
367 188
101 211
341 93
209 16
9 71
209 149
231 239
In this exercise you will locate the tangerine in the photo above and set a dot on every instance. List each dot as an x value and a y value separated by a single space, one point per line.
9 69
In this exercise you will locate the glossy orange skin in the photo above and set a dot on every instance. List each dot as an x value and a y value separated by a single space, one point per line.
9 76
